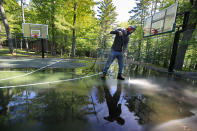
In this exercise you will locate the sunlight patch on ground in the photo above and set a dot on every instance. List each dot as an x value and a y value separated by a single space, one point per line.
144 84
190 93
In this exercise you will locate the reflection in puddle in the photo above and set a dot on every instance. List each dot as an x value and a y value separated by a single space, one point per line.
146 101
186 124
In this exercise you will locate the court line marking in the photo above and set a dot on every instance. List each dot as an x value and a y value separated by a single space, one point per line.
31 72
34 84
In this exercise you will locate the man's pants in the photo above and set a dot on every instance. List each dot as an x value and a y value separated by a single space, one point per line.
113 55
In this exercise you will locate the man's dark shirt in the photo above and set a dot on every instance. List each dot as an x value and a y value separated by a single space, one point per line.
120 42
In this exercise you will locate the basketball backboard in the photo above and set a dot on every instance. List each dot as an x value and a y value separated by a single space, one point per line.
161 22
35 30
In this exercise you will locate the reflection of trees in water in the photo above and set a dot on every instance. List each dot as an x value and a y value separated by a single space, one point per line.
145 71
138 105
137 70
58 106
134 70
158 108
5 95
49 106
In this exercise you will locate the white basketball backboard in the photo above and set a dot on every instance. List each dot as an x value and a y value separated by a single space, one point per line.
161 22
32 30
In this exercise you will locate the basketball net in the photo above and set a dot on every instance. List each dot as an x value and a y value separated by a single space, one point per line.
152 30
34 35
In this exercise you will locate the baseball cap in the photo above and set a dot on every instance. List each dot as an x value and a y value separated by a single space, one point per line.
131 28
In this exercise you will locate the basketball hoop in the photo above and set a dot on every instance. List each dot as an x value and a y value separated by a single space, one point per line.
155 31
34 35
35 30
161 22
152 30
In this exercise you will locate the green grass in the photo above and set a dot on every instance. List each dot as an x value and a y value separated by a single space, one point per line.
4 52
23 53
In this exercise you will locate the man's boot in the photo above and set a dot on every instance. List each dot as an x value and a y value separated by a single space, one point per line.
120 77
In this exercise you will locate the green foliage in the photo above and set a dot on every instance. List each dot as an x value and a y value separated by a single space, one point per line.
141 10
12 9
61 15
107 17
157 49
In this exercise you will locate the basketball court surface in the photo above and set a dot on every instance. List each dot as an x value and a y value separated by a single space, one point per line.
63 94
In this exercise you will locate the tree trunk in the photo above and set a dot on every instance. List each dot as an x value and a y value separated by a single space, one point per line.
7 28
0 41
195 68
1 45
139 50
53 38
27 44
155 8
23 21
74 37
147 51
23 14
53 29
21 44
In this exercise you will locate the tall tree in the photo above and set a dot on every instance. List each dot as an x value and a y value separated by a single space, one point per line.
22 9
53 12
7 28
141 10
107 17
23 21
79 10
46 11
73 30
0 32
66 18
139 13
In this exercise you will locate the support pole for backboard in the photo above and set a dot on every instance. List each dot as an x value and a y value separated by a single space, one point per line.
15 44
42 44
176 41
174 51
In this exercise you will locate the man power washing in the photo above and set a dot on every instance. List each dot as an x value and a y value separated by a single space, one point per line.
118 50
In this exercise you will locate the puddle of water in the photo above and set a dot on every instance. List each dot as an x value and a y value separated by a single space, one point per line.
145 101
31 75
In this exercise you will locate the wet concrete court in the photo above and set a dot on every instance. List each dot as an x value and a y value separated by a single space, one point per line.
77 99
